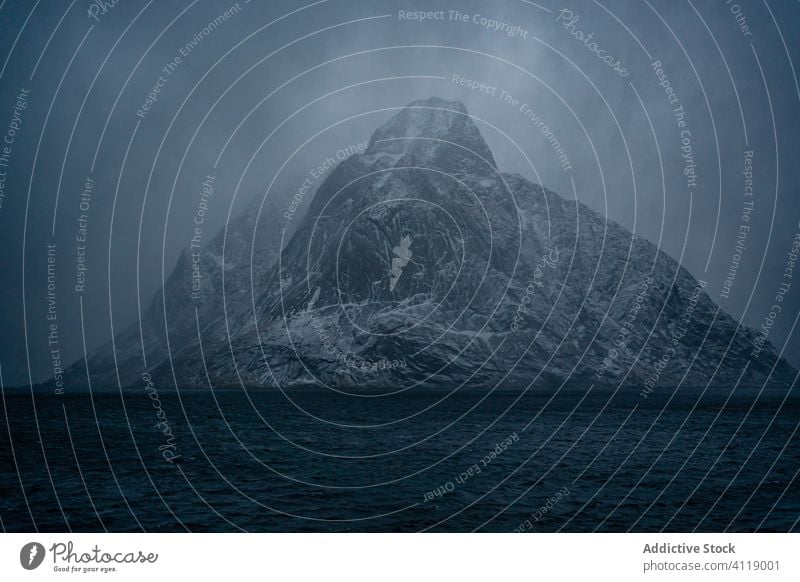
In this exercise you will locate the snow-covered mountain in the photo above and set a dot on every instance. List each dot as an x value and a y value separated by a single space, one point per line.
419 263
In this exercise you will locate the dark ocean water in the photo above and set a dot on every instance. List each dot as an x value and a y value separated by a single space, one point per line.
259 461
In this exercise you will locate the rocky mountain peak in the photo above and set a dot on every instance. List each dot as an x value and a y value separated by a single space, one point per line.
434 132
400 276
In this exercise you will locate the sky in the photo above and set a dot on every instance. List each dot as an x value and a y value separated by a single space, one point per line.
660 108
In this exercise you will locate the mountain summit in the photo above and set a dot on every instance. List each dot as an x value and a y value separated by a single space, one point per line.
419 264
434 131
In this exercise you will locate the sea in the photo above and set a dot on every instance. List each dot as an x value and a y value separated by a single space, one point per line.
311 459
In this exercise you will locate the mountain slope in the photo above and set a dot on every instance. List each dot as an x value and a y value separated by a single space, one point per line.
179 309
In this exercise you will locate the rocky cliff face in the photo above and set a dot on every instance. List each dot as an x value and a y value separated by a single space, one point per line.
419 263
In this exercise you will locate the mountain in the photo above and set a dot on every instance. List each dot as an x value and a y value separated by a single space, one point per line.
419 263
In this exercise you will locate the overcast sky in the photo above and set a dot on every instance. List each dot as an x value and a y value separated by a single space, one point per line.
251 89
